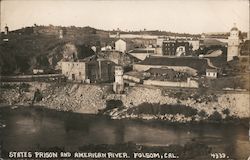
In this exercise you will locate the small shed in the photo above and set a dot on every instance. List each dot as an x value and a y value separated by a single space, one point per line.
211 73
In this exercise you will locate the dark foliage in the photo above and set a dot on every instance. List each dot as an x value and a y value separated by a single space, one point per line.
84 51
154 109
226 111
216 116
202 114
111 104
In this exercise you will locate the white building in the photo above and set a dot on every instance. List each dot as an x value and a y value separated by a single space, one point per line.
120 45
211 73
94 48
74 71
132 36
159 41
195 44
233 44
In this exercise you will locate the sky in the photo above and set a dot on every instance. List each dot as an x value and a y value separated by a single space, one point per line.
183 16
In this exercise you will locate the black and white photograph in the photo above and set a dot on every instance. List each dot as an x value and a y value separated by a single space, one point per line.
124 79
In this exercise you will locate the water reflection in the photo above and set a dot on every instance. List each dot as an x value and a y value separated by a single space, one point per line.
32 128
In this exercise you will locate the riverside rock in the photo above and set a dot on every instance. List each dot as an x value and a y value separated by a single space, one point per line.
90 98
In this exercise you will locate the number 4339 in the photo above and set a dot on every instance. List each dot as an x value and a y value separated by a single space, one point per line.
218 155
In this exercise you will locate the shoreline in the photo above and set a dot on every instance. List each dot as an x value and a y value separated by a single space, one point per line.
138 102
140 119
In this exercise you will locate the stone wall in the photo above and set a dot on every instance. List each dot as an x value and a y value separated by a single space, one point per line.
131 78
189 83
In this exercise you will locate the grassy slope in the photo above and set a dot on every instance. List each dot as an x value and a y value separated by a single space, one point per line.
26 51
19 53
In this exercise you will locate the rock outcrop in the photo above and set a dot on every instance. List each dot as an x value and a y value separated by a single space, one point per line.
85 98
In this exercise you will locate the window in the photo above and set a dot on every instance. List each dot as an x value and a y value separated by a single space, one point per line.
80 73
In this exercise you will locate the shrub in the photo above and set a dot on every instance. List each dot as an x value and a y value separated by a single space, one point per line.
37 96
154 108
226 111
178 109
216 116
111 104
202 114
24 87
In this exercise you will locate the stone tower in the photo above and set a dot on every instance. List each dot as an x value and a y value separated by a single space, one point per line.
118 85
233 43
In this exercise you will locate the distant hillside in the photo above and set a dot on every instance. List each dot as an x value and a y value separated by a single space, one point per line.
26 51
41 47
157 33
79 35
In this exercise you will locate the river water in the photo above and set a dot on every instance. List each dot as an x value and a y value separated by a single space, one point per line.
28 128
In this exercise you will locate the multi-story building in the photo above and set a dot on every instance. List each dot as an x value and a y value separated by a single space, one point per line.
169 47
176 48
88 70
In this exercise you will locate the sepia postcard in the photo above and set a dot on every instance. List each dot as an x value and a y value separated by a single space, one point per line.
124 79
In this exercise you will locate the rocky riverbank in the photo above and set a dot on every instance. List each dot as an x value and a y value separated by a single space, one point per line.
64 97
137 102
181 105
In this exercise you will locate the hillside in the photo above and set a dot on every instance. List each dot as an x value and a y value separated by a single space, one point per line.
40 47
158 33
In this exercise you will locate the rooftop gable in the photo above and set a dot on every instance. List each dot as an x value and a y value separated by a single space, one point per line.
193 62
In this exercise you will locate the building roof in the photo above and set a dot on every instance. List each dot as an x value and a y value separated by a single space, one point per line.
193 62
234 29
133 57
127 41
211 70
142 51
120 40
161 70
